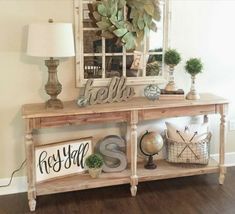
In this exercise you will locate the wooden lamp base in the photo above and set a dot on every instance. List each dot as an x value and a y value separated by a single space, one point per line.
53 87
54 103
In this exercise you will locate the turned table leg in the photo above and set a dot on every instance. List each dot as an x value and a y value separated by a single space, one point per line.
223 112
29 147
134 177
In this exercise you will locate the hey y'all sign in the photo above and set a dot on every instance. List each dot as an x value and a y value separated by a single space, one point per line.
60 159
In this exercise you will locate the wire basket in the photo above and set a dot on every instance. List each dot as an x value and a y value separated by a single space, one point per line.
188 152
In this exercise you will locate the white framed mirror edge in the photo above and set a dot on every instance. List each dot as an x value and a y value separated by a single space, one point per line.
79 76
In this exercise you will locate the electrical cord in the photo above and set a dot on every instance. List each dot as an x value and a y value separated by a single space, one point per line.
12 174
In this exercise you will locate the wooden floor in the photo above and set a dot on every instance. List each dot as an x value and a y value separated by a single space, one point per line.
189 195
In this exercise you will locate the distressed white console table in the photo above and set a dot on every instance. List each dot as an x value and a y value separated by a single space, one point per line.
132 112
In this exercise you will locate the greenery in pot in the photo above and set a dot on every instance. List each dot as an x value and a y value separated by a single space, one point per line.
94 161
172 57
194 66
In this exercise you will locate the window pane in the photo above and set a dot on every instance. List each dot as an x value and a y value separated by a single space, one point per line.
92 41
154 65
113 66
133 67
111 47
155 57
160 23
92 67
87 22
155 41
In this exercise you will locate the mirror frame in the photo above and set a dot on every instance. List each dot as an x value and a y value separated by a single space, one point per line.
81 81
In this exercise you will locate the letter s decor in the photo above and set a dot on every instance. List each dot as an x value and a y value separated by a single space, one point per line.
111 148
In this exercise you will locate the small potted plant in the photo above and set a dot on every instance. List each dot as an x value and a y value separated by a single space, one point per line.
171 58
94 162
193 67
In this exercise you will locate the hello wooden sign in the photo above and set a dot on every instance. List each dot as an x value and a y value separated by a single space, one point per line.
60 159
117 91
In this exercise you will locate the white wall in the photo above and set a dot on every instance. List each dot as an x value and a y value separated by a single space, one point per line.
22 78
199 28
204 28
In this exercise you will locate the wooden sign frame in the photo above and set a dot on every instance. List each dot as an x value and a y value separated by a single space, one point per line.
61 159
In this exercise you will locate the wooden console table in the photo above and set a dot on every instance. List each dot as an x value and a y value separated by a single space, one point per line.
132 112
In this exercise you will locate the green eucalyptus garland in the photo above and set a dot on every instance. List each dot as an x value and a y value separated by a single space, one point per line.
109 16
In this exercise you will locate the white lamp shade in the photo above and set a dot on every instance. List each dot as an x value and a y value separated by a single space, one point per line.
50 40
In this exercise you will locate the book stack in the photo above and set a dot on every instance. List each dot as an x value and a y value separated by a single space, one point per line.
172 95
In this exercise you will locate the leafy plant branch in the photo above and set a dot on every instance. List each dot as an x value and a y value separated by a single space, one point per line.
129 29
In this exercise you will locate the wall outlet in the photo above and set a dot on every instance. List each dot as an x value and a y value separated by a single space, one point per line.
232 125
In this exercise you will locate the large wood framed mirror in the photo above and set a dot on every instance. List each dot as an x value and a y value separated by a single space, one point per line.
101 59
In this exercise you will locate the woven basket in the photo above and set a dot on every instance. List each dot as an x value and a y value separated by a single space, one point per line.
188 152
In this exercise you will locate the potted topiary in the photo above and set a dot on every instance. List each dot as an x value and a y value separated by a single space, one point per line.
171 58
193 67
94 162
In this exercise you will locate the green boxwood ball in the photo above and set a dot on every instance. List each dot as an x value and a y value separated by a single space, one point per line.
94 161
172 57
194 66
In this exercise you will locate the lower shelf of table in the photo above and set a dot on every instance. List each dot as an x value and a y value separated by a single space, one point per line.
84 181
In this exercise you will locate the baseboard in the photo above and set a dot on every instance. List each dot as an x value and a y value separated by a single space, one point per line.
229 158
19 184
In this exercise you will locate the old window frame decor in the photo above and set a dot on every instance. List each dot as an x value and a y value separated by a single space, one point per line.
81 14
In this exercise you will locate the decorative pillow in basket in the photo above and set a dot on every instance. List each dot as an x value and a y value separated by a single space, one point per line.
188 144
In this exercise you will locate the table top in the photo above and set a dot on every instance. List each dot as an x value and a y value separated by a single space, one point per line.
137 103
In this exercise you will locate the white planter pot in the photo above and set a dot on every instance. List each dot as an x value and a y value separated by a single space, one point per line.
94 172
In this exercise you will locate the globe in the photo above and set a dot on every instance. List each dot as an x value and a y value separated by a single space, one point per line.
150 144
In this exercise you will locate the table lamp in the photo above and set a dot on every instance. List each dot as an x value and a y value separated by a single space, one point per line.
51 40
